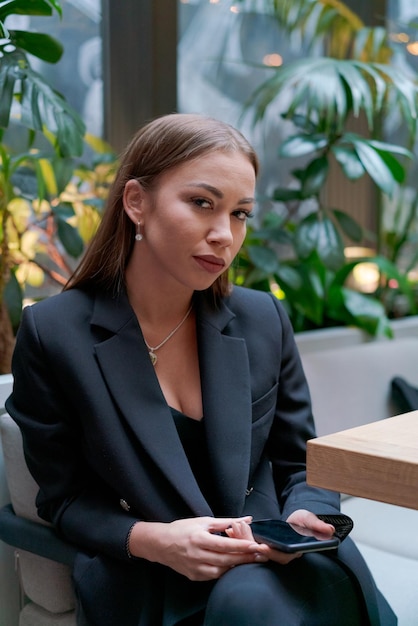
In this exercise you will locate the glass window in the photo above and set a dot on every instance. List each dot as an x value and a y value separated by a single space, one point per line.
225 50
78 74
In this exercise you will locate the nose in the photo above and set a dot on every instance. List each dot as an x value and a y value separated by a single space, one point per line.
220 232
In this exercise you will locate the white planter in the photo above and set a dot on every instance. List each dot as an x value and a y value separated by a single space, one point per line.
332 338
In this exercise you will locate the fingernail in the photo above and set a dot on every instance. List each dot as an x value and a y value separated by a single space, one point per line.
260 558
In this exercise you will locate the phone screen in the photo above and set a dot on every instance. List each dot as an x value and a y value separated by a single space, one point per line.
290 538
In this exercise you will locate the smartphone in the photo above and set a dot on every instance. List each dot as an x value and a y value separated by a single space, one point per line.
289 537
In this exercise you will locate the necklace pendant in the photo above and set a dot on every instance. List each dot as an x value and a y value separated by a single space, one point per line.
153 357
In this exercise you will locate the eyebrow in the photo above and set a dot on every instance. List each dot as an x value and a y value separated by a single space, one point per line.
218 193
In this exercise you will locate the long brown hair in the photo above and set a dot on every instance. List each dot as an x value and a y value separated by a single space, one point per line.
164 143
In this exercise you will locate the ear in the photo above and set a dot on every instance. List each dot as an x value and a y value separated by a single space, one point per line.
133 196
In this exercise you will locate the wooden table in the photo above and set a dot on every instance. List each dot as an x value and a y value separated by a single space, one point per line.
377 461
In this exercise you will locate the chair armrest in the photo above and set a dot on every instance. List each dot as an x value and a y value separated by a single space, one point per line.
36 538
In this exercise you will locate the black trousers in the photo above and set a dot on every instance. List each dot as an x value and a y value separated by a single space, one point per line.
312 591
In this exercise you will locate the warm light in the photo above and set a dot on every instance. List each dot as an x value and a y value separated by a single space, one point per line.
273 60
399 37
413 276
365 276
234 9
357 252
413 48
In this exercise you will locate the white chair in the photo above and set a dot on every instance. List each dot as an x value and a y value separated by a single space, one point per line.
44 561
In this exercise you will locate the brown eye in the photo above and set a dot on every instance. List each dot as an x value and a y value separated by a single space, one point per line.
202 203
242 215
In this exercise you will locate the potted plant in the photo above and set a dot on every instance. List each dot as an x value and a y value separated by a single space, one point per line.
49 203
302 256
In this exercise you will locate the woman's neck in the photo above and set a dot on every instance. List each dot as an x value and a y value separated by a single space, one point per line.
154 302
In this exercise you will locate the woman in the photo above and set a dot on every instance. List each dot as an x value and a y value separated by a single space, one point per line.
162 410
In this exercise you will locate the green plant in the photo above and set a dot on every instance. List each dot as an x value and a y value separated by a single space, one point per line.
304 254
49 202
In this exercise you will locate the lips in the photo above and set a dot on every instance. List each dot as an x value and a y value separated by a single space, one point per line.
210 263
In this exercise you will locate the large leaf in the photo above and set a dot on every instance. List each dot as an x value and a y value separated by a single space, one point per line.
300 145
47 184
9 74
278 235
263 258
318 233
395 167
376 167
289 276
29 7
13 298
307 236
285 194
69 237
41 106
392 148
63 171
330 245
348 225
303 296
64 210
314 176
349 161
367 312
40 45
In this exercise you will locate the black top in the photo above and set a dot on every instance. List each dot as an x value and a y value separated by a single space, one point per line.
193 438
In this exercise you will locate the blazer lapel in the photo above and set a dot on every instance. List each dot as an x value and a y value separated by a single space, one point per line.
130 376
226 394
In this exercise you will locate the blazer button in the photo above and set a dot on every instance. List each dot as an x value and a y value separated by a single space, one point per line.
125 506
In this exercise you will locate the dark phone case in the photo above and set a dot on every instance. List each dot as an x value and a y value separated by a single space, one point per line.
342 523
281 536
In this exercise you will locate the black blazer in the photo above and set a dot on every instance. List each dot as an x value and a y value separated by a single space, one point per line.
100 440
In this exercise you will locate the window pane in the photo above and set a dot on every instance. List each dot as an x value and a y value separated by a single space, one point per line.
78 74
224 53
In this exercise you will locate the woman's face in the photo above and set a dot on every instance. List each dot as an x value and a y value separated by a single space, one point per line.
194 219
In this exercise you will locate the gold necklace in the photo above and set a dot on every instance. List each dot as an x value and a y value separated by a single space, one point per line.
152 350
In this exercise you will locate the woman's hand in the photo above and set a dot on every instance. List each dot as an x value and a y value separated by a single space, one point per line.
195 548
242 529
301 518
309 521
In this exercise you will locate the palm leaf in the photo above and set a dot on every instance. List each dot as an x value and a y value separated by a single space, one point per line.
41 106
331 88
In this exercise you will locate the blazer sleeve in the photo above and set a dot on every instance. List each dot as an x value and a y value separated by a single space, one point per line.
71 495
293 426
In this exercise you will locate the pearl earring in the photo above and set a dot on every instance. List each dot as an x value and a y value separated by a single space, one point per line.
138 236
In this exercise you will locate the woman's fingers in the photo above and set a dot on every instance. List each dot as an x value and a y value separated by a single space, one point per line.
222 524
240 530
307 519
